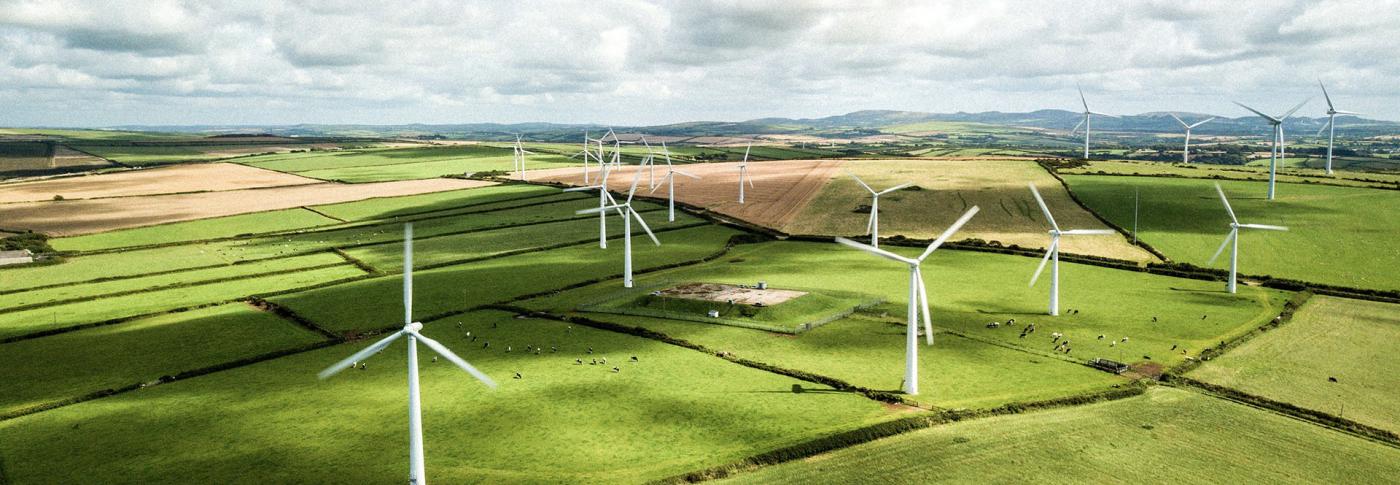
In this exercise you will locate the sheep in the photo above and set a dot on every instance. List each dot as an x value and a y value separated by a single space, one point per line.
578 361
1154 319
1112 343
509 349
1125 339
634 358
362 366
1100 337
1173 346
615 370
434 358
1331 379
590 350
518 376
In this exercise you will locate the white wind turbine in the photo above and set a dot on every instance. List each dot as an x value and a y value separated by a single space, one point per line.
1086 123
1186 149
669 180
918 298
1233 238
519 159
628 213
1053 252
1331 125
744 173
650 161
410 330
603 199
1276 146
873 224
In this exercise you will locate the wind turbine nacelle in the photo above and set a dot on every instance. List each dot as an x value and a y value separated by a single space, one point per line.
413 327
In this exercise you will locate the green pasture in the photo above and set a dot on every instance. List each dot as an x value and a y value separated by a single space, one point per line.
671 411
386 207
219 227
1231 172
1355 341
98 310
381 164
460 287
73 364
1338 235
798 314
1165 436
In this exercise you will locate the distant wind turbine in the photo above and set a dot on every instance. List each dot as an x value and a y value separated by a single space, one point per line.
628 213
1276 146
918 298
1233 238
743 173
1053 252
410 330
519 158
669 180
604 198
1331 125
1186 149
872 225
1086 122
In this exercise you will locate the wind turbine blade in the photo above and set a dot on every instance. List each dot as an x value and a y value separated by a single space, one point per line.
861 182
923 304
1178 120
1267 117
1353 113
1043 209
581 189
1083 101
1096 113
947 233
1265 227
1226 201
749 180
876 251
1324 126
408 273
897 187
1325 96
1088 232
1202 122
1076 127
746 155
1295 109
646 228
687 174
1213 257
453 358
595 210
657 187
363 354
1048 251
637 177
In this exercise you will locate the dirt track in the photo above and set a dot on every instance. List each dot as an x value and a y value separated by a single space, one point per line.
74 217
780 188
165 180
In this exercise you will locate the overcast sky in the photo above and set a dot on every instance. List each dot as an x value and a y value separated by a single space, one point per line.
104 63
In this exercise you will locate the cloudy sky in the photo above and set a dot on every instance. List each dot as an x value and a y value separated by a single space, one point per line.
102 63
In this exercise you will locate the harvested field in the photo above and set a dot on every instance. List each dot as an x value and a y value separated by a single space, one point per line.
170 180
949 187
74 217
723 293
781 188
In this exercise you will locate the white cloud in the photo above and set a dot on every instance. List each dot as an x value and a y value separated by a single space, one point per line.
635 62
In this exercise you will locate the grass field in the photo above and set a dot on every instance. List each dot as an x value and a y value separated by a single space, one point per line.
219 227
1165 436
90 311
90 360
375 165
967 290
1292 175
949 187
1355 341
1335 238
674 410
456 288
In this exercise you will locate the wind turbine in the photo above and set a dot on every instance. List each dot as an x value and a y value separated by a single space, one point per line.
918 298
410 330
1332 113
1276 146
743 173
1186 150
519 159
873 225
670 181
603 198
1085 122
628 213
1233 239
649 160
1053 252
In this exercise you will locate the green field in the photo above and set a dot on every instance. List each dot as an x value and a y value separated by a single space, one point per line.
798 314
144 155
376 165
1355 341
1293 175
1336 236
90 360
1165 436
219 227
967 291
456 288
93 311
671 411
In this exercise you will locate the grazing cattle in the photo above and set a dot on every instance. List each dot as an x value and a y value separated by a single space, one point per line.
616 369
578 361
518 376
1331 379
1154 319
1173 346
1125 339
1100 337
634 358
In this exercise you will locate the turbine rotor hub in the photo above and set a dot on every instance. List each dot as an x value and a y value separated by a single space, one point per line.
413 327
